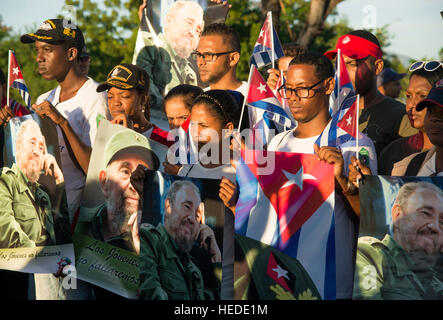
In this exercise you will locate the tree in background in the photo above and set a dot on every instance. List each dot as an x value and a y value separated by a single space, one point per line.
110 30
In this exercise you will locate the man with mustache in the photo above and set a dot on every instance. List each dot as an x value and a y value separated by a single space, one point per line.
404 264
167 271
165 59
116 221
27 216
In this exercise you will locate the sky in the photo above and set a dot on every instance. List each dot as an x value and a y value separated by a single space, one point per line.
416 25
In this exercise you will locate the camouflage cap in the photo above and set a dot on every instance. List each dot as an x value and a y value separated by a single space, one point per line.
129 139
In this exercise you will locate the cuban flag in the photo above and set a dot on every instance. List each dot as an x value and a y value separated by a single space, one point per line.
269 114
343 126
284 102
16 80
292 209
343 88
267 48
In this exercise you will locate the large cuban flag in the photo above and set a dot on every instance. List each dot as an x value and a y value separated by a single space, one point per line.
291 209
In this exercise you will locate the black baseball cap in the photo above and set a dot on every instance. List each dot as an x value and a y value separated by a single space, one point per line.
56 30
126 76
435 96
388 75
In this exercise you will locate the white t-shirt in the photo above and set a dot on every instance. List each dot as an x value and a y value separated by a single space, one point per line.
81 112
345 227
227 171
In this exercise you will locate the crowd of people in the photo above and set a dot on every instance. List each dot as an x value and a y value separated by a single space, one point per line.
400 139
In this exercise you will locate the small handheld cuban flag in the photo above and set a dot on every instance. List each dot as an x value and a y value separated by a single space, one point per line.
267 48
343 88
15 80
261 96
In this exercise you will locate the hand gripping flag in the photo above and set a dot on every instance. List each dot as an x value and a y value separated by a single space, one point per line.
343 88
291 209
16 80
267 48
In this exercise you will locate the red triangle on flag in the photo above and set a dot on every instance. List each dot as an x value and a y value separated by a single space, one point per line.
349 121
14 72
296 189
258 88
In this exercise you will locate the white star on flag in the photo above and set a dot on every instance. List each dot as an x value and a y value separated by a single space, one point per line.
281 272
261 34
349 120
261 87
297 178
15 71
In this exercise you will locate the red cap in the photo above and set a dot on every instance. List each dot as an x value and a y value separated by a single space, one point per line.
355 47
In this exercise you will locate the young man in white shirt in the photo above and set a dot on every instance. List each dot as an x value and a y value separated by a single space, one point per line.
310 81
73 106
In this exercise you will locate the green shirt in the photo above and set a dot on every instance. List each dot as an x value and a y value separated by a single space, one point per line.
385 271
26 215
165 69
166 272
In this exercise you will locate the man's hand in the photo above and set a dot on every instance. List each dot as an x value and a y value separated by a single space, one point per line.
333 156
274 76
6 114
207 241
51 168
356 170
46 109
228 193
134 225
140 10
224 2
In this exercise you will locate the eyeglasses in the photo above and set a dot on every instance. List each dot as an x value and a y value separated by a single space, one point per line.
208 56
300 92
427 65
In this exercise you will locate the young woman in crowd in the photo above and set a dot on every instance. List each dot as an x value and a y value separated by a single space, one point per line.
421 80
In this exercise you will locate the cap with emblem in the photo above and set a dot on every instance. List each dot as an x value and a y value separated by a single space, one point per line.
435 96
126 76
56 30
126 139
356 45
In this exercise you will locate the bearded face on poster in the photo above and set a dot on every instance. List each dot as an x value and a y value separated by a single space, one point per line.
183 26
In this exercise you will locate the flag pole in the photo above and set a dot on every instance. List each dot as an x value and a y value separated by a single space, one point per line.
272 38
357 133
245 98
338 62
9 77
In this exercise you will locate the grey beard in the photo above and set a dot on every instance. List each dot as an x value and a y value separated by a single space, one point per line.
117 217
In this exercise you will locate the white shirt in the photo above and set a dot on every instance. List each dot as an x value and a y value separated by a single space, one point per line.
81 112
345 228
429 168
198 171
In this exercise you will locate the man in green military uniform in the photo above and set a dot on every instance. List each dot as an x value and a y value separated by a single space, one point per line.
165 57
27 216
403 265
116 221
167 271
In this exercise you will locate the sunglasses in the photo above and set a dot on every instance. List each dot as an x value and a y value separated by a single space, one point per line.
427 65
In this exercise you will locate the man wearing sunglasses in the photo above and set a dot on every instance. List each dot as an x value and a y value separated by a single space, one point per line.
382 118
309 83
217 56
